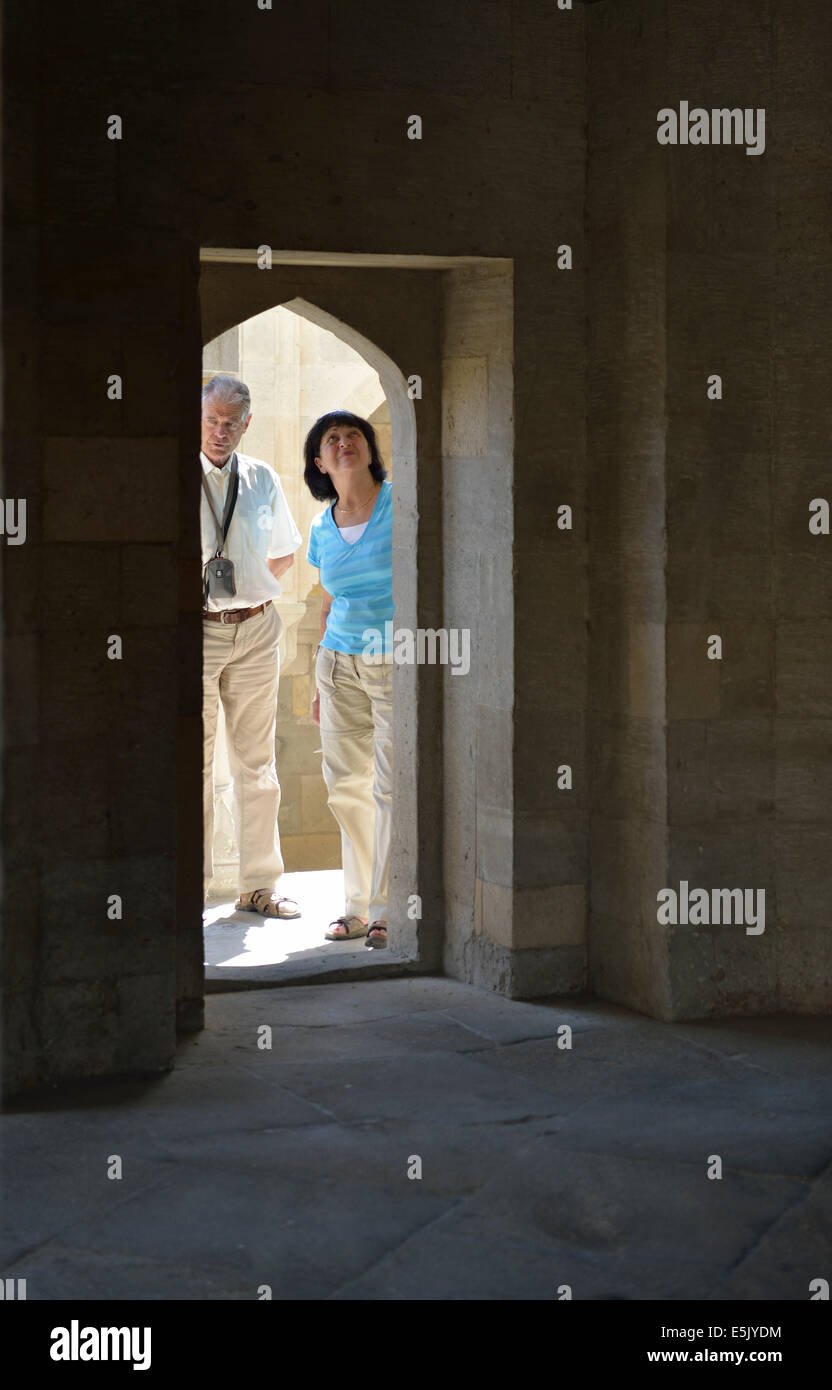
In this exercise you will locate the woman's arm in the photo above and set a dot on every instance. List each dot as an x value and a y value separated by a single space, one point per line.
326 604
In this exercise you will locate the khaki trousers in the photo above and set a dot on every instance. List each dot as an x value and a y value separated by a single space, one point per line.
357 745
240 666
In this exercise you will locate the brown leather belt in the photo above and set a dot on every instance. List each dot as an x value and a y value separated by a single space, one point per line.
233 615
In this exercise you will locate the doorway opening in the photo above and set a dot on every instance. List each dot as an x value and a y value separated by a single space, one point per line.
298 363
438 331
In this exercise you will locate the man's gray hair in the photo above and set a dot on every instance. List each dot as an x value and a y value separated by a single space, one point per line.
230 389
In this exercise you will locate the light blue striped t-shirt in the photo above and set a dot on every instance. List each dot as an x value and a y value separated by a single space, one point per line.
359 577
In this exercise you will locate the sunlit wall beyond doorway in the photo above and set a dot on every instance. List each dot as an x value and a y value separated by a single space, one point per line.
295 371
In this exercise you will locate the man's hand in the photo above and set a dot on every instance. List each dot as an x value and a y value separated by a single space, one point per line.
316 709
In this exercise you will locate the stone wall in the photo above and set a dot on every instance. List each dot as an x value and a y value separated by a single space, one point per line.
289 127
709 261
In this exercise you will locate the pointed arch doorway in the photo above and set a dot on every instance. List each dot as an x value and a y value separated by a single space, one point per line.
441 328
299 360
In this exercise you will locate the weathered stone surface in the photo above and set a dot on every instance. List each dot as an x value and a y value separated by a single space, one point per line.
540 1165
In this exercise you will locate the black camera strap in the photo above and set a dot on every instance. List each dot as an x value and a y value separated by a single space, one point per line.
230 503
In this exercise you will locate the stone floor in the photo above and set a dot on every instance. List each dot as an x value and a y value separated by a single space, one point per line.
245 948
540 1166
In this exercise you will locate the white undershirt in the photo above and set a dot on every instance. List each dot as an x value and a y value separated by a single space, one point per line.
351 534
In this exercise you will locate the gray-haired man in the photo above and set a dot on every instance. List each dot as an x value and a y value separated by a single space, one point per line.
240 632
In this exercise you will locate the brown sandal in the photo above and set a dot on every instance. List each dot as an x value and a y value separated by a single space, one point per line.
267 904
354 927
377 936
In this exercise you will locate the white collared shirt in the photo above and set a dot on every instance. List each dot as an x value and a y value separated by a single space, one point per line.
262 528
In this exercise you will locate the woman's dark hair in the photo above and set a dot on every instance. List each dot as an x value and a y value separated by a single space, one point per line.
320 484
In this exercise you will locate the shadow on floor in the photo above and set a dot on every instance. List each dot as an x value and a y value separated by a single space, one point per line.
402 1140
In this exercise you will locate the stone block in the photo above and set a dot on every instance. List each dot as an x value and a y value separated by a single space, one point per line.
645 650
802 209
722 586
152 359
616 848
803 769
79 163
23 1060
478 68
802 668
628 964
310 852
77 359
78 1026
627 502
543 744
148 586
110 490
609 671
693 681
746 669
298 748
83 942
615 90
804 969
556 667
628 776
23 569
718 501
803 875
301 696
541 974
493 757
21 660
720 306
134 277
720 770
547 71
146 1040
802 583
150 187
143 808
550 916
549 561
495 647
80 596
115 34
494 912
480 530
745 969
464 407
549 848
801 420
78 698
692 969
74 794
711 855
494 844
460 805
720 201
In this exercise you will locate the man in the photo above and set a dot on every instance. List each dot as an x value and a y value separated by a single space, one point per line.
240 633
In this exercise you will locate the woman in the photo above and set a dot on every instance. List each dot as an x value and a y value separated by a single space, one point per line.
351 542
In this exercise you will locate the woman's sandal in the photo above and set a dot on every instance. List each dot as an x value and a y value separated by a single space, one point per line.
377 935
267 904
354 927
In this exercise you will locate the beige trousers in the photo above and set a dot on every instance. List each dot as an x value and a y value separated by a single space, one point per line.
240 666
357 745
